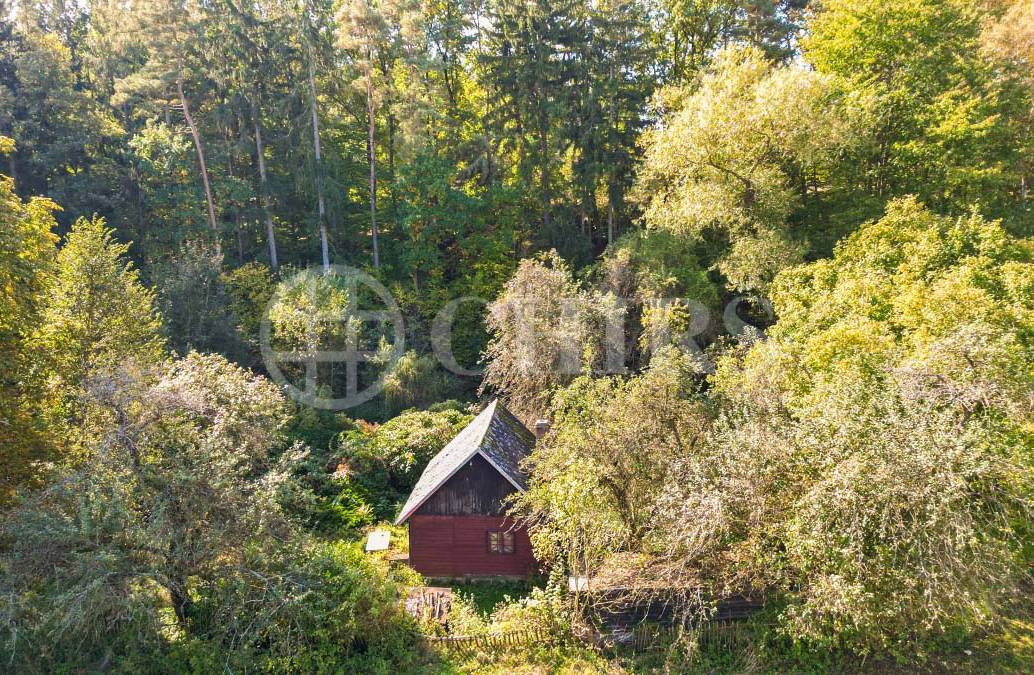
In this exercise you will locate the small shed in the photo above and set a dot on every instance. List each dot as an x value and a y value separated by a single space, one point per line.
456 514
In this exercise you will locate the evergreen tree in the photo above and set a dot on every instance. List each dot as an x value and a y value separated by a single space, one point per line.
96 314
609 102
691 32
59 128
530 73
171 35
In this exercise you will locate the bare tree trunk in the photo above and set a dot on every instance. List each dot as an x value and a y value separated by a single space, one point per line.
321 205
200 154
611 131
610 221
240 236
373 161
391 170
260 153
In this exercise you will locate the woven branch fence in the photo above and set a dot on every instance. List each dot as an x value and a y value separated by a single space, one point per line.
714 634
472 644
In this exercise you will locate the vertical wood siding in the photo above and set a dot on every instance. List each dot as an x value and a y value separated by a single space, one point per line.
456 546
476 489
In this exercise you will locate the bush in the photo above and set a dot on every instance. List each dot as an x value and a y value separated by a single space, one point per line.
396 452
544 609
315 608
415 381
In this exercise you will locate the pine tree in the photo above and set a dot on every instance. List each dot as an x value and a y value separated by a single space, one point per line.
614 85
530 68
171 34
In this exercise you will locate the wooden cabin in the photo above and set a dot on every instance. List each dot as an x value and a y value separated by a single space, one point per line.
456 512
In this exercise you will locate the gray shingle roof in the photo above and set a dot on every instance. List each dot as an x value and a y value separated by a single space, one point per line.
496 435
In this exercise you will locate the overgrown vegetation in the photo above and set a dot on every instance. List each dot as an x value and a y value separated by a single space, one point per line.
576 207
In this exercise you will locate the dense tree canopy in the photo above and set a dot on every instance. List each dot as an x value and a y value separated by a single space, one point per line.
766 265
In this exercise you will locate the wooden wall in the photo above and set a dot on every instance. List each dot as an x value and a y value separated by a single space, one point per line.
457 546
476 489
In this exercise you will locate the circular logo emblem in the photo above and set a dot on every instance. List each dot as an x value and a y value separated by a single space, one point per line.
330 317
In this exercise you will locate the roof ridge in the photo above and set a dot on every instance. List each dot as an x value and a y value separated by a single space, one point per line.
484 431
476 443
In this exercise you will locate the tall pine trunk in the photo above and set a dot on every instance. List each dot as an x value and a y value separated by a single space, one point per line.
200 153
320 203
264 188
372 155
544 178
611 132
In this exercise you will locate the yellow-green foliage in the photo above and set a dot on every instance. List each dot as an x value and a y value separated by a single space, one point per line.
950 297
595 487
26 255
96 314
883 434
250 287
720 161
944 115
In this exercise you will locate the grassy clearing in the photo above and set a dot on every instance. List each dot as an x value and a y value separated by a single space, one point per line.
485 596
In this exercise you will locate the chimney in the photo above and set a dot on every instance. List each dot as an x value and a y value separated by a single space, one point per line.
541 428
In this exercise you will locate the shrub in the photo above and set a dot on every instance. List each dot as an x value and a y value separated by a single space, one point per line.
399 449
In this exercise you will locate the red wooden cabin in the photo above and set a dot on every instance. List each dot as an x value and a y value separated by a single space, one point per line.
457 526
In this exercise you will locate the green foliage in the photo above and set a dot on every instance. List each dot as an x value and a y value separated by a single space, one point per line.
694 29
649 264
945 120
667 290
61 130
543 609
723 160
360 478
250 288
414 381
96 313
177 485
309 313
95 316
867 466
885 429
168 186
869 462
397 451
924 287
322 607
594 484
545 332
194 301
26 253
484 597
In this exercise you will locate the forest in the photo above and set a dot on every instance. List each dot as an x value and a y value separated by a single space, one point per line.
766 267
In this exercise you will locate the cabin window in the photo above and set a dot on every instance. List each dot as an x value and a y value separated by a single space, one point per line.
500 541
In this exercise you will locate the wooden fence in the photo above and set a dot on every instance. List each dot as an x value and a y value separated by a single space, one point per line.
472 644
712 635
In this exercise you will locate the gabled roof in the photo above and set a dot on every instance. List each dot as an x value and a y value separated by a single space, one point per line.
496 435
